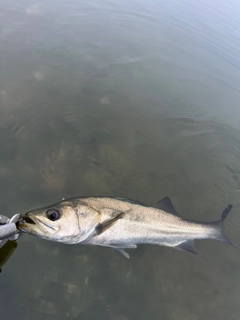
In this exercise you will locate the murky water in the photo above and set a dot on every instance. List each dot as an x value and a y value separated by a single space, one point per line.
137 99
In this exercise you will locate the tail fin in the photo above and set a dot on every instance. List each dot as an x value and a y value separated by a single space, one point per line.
219 225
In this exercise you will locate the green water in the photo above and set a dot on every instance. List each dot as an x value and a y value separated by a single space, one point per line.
136 99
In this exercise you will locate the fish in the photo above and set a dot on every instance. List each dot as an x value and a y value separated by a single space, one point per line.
120 224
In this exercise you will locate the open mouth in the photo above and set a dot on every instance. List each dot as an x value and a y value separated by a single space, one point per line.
24 222
34 225
28 220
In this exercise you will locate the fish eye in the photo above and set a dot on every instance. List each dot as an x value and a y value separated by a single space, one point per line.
53 214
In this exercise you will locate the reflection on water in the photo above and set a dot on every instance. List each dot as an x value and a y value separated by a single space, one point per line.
137 100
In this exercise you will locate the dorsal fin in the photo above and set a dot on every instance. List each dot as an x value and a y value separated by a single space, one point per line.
166 205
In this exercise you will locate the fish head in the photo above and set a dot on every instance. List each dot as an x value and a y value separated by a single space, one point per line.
58 222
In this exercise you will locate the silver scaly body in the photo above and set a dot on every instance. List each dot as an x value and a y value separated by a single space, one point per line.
120 224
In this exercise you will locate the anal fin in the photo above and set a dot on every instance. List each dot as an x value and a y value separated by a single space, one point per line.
187 246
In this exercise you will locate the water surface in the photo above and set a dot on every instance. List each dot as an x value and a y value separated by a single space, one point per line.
136 99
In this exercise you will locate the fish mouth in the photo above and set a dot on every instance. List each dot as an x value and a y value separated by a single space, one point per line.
35 226
29 220
28 224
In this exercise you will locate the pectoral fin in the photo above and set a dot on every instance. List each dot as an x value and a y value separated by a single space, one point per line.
102 227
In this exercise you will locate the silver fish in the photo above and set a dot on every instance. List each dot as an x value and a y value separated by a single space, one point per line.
119 224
